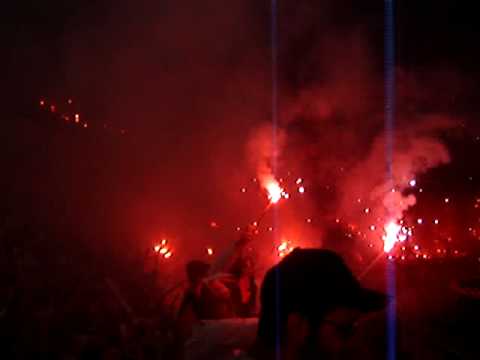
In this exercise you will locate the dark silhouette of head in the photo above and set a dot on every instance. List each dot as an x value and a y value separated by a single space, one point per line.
307 290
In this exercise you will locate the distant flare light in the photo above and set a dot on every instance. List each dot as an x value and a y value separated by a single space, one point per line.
275 192
391 236
284 248
163 249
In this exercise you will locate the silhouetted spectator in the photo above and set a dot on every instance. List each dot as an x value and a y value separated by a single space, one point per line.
310 304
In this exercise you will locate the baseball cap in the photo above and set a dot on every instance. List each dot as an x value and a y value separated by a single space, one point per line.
313 281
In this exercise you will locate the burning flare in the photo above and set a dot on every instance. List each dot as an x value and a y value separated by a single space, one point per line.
395 233
274 191
392 230
284 248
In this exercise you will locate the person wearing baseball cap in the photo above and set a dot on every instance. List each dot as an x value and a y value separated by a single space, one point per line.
310 304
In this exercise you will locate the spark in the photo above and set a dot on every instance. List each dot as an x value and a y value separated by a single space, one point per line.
372 227
243 190
210 251
447 200
168 255
412 183
299 181
156 248
366 210
42 102
436 221
419 221
77 118
301 189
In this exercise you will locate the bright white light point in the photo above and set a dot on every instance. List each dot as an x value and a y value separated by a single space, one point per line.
412 182
447 200
420 221
301 189
359 200
367 210
299 181
209 251
420 190
416 247
286 195
390 257
372 227
309 220
403 257
243 190
436 221
337 220
274 191
391 235
156 248
164 242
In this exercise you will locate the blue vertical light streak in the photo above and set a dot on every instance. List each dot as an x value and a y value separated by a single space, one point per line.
274 45
389 69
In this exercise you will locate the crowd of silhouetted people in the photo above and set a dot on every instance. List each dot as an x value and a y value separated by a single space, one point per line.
307 306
